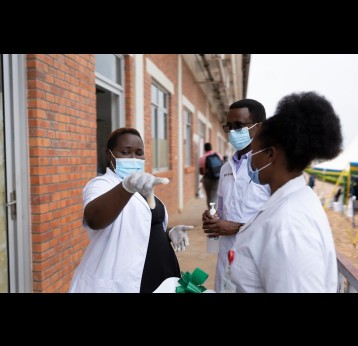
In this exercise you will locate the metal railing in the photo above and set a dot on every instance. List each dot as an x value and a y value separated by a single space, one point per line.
347 275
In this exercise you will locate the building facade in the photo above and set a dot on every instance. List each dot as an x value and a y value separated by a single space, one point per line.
56 113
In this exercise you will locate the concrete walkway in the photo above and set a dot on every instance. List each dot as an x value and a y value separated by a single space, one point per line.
195 254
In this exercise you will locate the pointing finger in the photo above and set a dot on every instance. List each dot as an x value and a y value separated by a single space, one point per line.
158 181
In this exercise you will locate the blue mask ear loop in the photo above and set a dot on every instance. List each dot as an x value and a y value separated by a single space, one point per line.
258 152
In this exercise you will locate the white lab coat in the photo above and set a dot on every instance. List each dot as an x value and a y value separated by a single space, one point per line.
114 259
288 247
242 200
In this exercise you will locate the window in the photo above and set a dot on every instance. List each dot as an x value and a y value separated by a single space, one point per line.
201 138
160 147
109 101
110 66
187 136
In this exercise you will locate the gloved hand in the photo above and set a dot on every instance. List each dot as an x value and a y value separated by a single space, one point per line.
143 183
179 237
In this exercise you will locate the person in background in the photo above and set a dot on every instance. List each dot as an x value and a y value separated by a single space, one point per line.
210 181
130 247
311 181
288 246
239 198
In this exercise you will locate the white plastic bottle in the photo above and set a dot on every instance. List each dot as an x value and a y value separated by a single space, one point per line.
212 244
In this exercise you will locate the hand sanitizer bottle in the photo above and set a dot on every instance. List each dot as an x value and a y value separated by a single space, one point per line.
212 244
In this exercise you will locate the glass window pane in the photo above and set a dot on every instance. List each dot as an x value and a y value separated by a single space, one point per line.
165 120
160 98
159 128
161 124
109 66
154 138
119 71
163 153
165 102
154 94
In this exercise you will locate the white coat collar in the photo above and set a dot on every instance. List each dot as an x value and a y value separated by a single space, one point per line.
290 187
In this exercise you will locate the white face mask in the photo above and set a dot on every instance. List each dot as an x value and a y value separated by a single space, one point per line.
240 139
125 166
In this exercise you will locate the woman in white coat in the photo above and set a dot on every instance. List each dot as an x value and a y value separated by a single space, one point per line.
130 249
288 246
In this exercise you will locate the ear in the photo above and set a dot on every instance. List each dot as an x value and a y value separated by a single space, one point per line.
272 153
109 157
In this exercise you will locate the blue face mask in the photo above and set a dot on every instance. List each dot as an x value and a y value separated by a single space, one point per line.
240 139
125 167
254 174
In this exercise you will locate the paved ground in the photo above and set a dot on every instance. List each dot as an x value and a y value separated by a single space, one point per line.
196 255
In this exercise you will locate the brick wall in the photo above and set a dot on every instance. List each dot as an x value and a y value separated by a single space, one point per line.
62 144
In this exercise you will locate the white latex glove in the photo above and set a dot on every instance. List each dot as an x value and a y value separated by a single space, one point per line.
143 183
179 237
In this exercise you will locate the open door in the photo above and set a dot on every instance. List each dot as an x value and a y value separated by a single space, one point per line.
15 230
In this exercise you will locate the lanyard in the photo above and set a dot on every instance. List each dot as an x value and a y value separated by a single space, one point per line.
230 256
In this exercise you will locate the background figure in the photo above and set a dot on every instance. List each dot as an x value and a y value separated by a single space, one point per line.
239 198
354 187
209 166
311 181
130 248
337 194
288 247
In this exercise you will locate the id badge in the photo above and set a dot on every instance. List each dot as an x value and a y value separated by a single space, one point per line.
227 285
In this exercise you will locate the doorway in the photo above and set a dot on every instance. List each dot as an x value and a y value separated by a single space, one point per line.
15 228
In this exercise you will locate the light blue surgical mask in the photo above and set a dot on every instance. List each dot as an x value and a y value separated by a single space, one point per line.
240 139
254 174
125 166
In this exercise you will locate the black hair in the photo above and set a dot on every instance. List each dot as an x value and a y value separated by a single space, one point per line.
256 109
207 146
112 139
306 127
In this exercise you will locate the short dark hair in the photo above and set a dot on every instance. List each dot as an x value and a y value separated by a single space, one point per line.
306 127
256 109
112 139
207 146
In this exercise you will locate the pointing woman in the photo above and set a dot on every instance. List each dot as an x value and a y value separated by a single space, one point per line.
129 249
288 246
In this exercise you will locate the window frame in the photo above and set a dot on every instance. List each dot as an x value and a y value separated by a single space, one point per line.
117 89
188 142
155 125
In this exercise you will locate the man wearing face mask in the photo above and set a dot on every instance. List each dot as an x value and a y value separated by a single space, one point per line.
130 249
239 198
